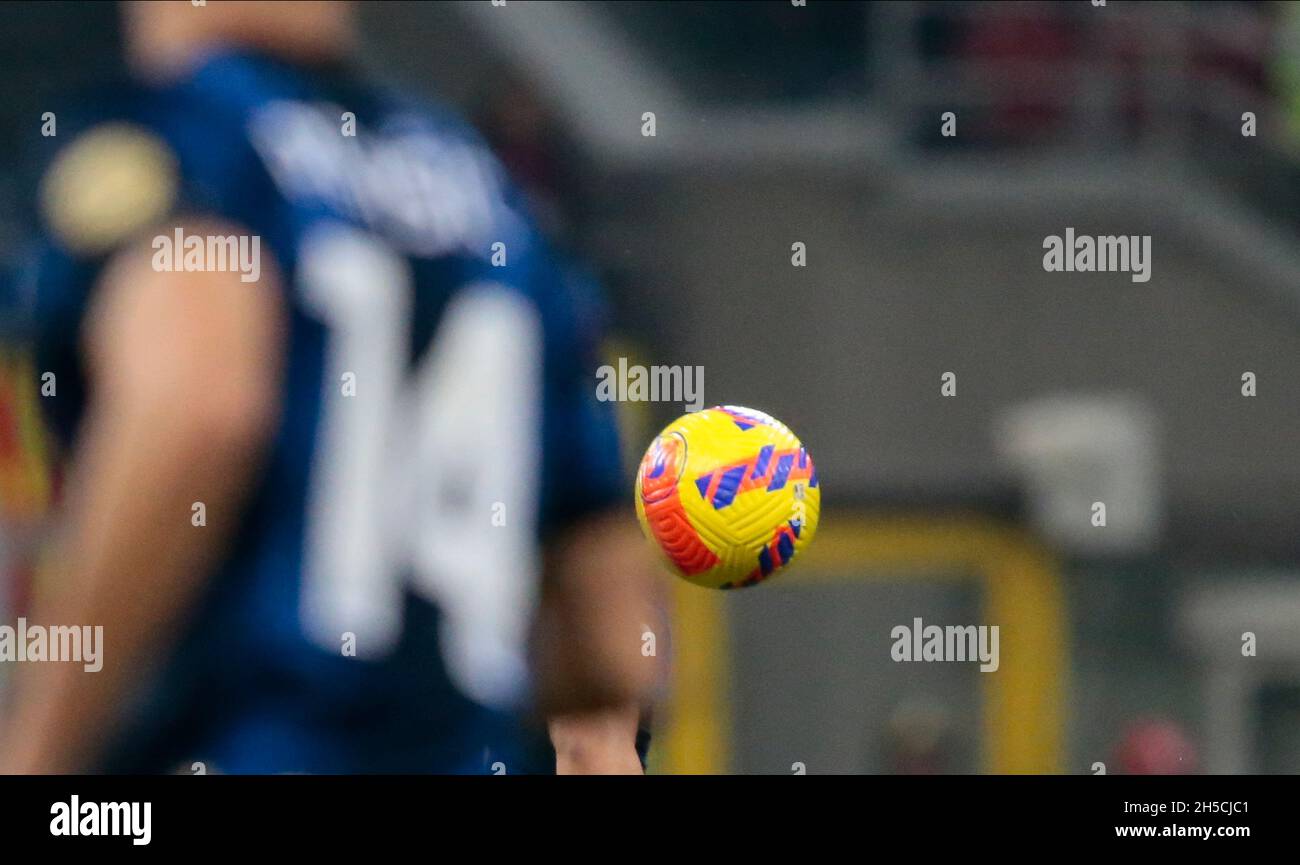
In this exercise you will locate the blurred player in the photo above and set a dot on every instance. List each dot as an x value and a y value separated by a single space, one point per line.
326 389
24 481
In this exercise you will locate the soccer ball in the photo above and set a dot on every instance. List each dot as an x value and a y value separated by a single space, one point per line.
728 495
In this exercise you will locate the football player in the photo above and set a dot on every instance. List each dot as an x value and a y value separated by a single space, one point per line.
326 392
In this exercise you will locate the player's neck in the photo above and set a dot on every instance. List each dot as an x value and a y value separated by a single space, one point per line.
166 47
172 66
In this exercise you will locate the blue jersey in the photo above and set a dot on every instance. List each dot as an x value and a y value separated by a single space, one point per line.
438 414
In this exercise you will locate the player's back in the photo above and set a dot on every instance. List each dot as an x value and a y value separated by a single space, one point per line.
370 612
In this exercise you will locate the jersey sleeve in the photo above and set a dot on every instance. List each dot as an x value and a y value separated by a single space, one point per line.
583 472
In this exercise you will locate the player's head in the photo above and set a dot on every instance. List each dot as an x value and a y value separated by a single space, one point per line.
165 38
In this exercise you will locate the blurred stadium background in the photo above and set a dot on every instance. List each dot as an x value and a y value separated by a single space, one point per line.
778 124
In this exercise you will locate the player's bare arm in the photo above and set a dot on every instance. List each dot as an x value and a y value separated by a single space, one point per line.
184 369
599 589
597 743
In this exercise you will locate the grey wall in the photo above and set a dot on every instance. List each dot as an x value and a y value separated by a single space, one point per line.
850 349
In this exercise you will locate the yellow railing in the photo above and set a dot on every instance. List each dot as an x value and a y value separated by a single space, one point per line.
1021 593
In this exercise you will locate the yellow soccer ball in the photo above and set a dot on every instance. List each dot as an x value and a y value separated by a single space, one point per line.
728 495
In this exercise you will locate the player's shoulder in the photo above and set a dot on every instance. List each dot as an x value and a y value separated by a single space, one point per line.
124 157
